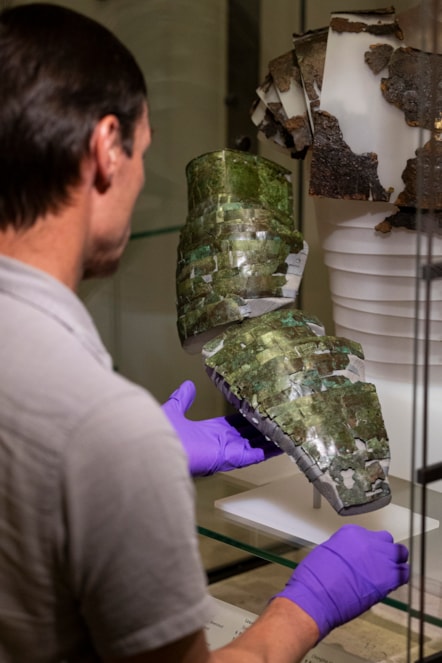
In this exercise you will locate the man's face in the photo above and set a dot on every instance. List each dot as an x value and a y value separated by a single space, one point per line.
111 228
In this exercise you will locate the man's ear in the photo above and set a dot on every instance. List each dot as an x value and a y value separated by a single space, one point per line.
105 149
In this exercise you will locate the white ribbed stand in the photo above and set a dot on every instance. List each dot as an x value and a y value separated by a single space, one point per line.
373 290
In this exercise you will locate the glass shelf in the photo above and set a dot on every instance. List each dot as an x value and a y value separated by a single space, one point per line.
155 232
256 541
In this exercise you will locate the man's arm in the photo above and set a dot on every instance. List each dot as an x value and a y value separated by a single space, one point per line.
284 633
336 582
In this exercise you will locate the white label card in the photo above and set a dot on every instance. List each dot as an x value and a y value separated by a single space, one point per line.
230 621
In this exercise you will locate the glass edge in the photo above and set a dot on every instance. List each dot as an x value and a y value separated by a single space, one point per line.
277 559
143 234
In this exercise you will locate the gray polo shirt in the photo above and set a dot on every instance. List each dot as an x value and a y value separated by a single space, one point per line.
98 547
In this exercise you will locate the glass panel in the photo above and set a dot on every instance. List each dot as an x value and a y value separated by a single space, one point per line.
289 550
187 91
183 48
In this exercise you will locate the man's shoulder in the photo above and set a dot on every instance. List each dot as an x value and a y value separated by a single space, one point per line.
58 375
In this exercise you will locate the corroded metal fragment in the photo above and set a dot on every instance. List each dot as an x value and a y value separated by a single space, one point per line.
239 254
336 171
378 57
307 393
283 70
407 217
378 29
421 199
423 184
339 169
411 85
310 51
292 136
229 175
280 113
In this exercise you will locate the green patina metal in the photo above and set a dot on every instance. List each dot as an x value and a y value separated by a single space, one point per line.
308 394
238 268
236 244
230 175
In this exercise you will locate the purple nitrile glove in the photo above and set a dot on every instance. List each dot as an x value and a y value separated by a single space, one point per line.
346 575
218 444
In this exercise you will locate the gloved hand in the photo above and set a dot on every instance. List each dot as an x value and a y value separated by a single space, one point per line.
218 444
344 576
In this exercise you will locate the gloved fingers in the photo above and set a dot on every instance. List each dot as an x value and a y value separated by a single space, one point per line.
359 537
393 556
398 574
260 450
347 537
269 449
255 439
401 555
404 574
346 575
251 456
183 396
396 552
383 535
383 554
242 425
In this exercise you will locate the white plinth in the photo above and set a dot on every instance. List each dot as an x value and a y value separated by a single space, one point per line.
285 507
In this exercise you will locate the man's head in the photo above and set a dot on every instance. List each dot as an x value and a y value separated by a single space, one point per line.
60 74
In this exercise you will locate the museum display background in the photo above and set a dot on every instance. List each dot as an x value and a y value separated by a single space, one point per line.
183 48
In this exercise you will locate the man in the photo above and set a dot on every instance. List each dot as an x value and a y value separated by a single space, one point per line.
98 552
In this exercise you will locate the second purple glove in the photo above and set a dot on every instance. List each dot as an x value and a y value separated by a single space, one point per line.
346 575
218 444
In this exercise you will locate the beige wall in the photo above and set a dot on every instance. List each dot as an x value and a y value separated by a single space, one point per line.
181 48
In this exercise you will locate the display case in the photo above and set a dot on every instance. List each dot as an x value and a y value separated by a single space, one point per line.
202 82
414 625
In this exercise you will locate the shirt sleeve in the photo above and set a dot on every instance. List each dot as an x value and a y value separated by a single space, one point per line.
132 550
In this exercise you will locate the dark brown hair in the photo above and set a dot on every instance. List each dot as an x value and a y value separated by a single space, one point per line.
60 73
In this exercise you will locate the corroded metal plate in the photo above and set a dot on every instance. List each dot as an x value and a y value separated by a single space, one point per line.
239 253
306 392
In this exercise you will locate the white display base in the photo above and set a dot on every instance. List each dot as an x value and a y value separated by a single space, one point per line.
285 507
